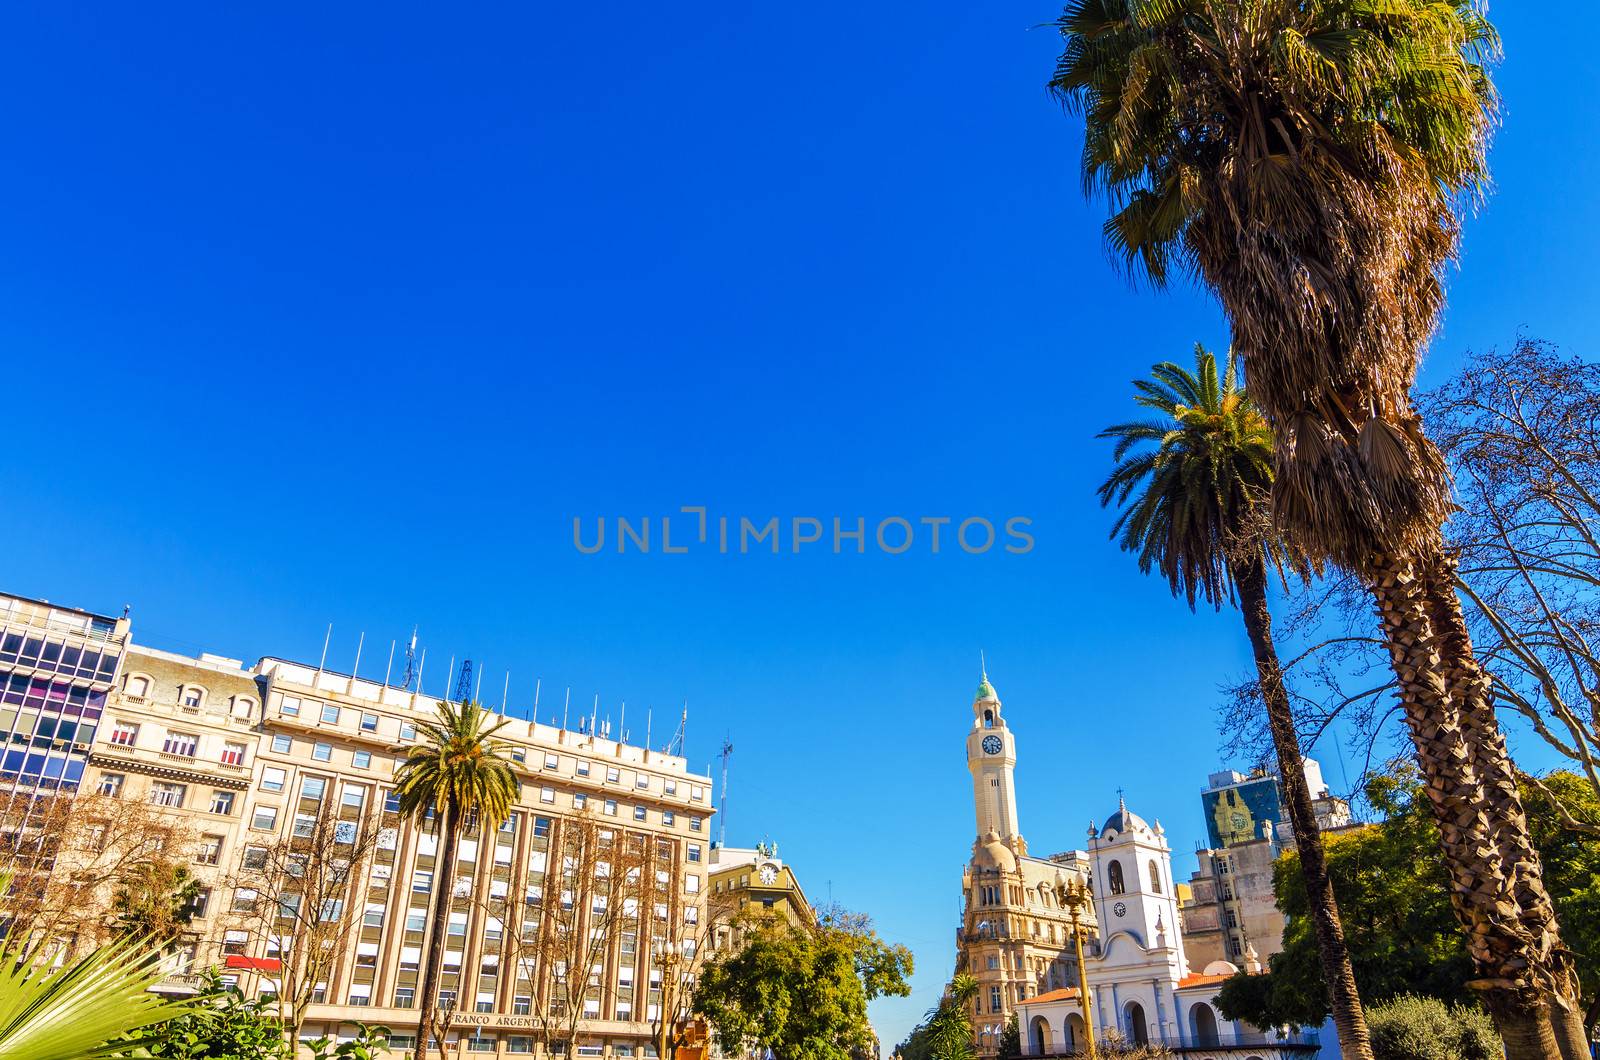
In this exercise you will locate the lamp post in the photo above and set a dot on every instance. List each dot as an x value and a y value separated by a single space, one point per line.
1076 898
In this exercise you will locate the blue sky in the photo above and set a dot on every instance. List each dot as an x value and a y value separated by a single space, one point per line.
343 313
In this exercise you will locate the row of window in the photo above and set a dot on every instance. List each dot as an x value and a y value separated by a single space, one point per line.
170 794
175 742
68 660
333 714
192 697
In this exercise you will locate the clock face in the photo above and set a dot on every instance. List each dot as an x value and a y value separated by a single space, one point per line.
1121 909
768 874
991 745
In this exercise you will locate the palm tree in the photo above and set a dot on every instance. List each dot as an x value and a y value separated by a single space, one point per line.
1193 485
950 1023
155 899
1308 161
459 777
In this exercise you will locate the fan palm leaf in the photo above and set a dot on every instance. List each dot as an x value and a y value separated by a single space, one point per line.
93 1008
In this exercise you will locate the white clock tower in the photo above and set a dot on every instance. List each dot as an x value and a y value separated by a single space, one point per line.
992 760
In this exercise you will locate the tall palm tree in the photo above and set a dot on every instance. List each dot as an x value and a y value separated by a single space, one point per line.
950 1022
1308 161
458 775
1193 485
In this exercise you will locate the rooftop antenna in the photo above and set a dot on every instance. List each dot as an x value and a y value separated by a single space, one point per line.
722 803
388 667
649 716
412 669
564 705
535 715
326 637
464 681
355 671
420 663
505 693
477 688
675 745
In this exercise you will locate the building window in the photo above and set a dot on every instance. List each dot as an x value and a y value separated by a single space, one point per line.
322 752
125 734
289 706
330 713
416 919
138 687
222 802
391 802
255 857
670 787
547 795
668 818
164 794
111 783
313 788
181 743
282 744
305 825
210 850
613 775
422 882
1155 878
1114 876
694 824
994 999
408 731
272 779
694 851
541 827
234 942
641 782
611 807
244 900
233 754
369 723
582 768
404 997
361 760
193 697
265 819
639 813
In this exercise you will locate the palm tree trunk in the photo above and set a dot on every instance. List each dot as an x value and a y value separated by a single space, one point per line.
1458 749
1338 976
1473 693
443 892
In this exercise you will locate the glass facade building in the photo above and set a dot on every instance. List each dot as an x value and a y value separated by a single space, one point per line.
57 665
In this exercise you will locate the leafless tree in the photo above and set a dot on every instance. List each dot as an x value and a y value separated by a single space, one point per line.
298 899
68 853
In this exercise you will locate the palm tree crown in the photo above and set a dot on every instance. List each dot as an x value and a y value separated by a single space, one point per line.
1309 160
460 766
1192 480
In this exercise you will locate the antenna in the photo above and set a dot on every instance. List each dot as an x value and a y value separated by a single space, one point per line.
411 663
722 802
464 682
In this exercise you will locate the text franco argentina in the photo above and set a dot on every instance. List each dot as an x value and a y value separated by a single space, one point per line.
694 529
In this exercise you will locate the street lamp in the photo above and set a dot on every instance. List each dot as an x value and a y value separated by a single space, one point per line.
1075 898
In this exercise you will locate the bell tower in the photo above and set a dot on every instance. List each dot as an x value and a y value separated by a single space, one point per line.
992 761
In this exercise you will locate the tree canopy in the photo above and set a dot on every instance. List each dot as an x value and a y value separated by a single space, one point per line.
1391 886
802 992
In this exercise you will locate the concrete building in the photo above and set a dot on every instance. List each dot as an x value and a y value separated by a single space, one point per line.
1015 935
1232 914
253 761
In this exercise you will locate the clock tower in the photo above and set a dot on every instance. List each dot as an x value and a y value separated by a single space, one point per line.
992 760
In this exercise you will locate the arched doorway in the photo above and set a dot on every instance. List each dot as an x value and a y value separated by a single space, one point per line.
1073 1029
1138 1032
1041 1036
1203 1024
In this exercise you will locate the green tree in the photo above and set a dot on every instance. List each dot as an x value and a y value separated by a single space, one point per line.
1391 884
802 992
458 777
1308 162
1011 1039
950 1024
222 1024
155 899
1193 484
1425 1028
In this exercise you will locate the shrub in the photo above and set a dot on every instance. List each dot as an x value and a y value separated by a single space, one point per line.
1425 1028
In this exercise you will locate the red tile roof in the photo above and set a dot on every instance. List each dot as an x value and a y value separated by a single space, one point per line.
1068 993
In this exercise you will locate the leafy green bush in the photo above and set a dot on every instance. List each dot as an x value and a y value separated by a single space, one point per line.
1425 1028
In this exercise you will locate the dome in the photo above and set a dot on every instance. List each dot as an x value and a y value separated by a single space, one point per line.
985 691
1124 820
993 854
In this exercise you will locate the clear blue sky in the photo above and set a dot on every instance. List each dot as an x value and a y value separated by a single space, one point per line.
341 313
